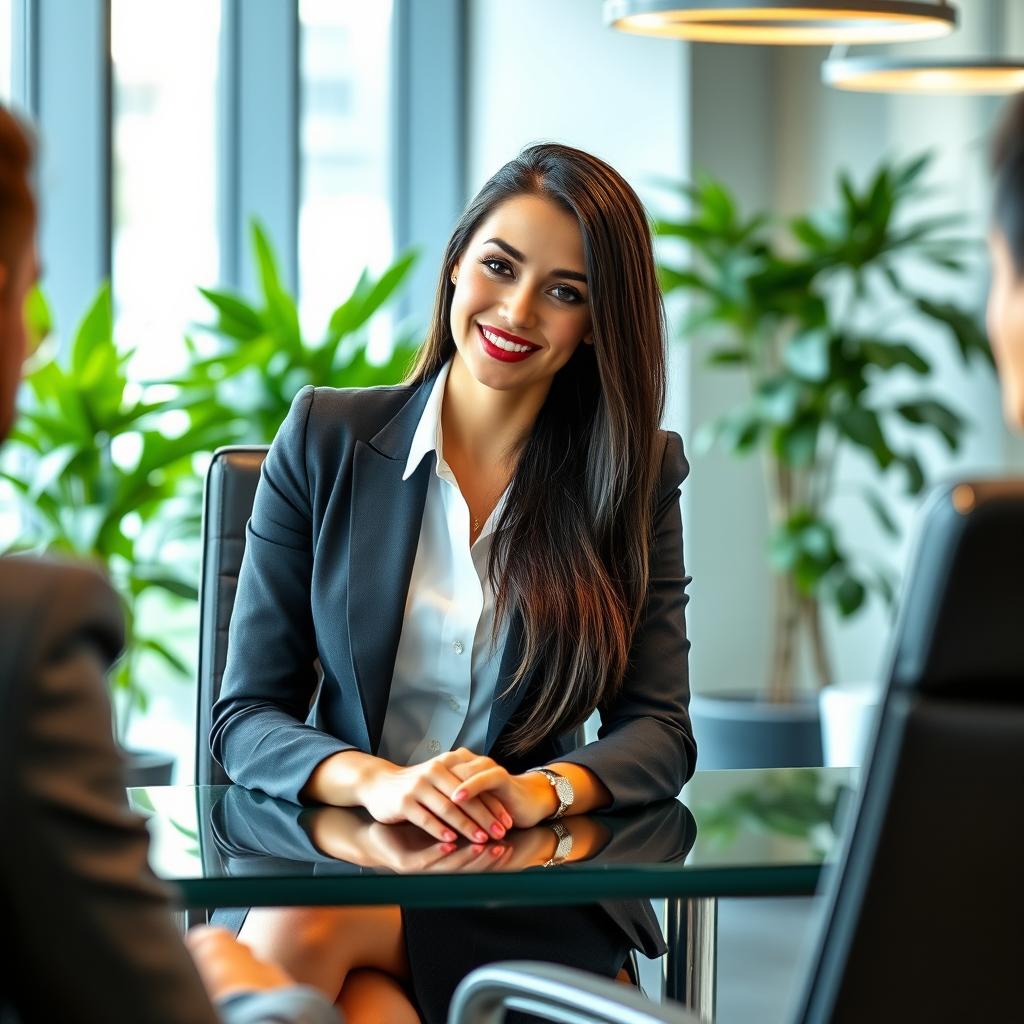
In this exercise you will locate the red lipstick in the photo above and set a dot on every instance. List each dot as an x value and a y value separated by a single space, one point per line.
503 354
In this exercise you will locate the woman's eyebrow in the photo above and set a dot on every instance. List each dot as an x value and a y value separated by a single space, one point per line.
573 275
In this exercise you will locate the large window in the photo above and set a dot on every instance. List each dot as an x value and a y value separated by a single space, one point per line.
345 216
164 137
6 49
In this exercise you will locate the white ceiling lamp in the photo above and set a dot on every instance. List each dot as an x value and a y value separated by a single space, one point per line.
983 76
811 22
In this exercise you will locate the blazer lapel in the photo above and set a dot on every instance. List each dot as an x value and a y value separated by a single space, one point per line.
383 536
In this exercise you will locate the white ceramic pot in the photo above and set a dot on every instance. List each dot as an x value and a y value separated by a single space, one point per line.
847 722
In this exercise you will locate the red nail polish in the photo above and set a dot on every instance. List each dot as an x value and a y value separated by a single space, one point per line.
497 831
449 837
480 837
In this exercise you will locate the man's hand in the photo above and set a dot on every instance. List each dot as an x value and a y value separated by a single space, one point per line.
228 967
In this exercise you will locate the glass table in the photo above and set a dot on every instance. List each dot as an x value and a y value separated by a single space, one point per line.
756 832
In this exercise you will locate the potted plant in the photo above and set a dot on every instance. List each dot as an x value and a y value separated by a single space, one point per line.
109 469
813 311
253 360
98 478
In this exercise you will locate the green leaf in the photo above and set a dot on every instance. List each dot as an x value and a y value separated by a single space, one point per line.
281 313
915 474
877 505
966 331
728 357
797 446
862 427
887 355
849 594
162 651
932 413
96 331
38 318
180 588
671 280
236 317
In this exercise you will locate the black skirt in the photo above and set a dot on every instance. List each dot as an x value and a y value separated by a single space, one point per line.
444 945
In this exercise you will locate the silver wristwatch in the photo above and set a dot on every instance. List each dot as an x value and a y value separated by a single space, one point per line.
563 790
564 847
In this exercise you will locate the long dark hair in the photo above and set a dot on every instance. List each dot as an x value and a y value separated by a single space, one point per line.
571 547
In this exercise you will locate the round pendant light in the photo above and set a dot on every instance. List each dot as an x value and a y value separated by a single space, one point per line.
978 76
810 22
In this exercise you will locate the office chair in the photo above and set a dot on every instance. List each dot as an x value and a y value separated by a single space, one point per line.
227 503
922 919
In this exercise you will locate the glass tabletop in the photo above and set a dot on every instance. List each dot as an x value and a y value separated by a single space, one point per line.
751 832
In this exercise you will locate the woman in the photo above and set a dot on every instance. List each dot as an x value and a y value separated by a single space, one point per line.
478 558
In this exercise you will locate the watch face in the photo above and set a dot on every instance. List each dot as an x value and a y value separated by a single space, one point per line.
563 787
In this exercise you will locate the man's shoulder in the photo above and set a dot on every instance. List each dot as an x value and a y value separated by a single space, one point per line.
41 596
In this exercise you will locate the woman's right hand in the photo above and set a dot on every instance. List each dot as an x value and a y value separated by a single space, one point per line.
421 794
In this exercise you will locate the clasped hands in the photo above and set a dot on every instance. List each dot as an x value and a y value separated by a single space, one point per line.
457 793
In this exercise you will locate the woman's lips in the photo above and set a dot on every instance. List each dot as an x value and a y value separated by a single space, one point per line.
495 351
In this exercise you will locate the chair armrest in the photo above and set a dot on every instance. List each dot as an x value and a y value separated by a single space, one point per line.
560 994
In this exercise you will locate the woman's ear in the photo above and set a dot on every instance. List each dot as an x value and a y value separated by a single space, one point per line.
455 271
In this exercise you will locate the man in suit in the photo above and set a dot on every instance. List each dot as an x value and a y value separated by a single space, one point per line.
1006 246
89 930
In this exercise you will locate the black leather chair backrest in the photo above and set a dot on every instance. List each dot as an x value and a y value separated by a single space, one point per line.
924 920
227 503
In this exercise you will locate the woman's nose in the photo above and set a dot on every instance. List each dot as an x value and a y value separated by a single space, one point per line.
518 310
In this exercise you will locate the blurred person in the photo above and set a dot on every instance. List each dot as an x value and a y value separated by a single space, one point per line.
479 558
90 933
1006 246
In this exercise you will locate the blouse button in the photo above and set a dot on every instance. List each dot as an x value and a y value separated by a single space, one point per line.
453 703
457 647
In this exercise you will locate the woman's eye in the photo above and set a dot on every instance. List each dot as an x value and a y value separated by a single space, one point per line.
496 266
564 293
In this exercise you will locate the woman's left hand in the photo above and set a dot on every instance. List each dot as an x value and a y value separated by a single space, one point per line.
529 798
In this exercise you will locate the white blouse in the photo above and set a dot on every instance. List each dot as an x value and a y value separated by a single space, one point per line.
446 668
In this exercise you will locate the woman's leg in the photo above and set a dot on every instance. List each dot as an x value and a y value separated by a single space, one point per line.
369 997
319 946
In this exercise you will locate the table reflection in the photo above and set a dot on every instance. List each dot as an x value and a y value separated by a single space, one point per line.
255 833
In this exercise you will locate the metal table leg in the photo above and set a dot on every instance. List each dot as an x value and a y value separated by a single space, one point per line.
691 965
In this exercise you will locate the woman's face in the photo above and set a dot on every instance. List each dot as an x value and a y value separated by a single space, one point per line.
521 304
15 283
1006 327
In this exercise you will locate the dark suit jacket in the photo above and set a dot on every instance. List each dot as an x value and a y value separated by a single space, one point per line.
329 553
90 936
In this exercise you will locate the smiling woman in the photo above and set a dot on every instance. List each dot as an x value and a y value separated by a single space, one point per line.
479 558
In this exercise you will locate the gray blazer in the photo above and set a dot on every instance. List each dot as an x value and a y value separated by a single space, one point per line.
92 938
329 553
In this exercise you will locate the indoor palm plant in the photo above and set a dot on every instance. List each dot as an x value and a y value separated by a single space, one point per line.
813 311
252 360
99 477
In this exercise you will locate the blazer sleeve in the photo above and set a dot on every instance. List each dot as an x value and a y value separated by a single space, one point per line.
259 733
76 887
75 884
645 750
